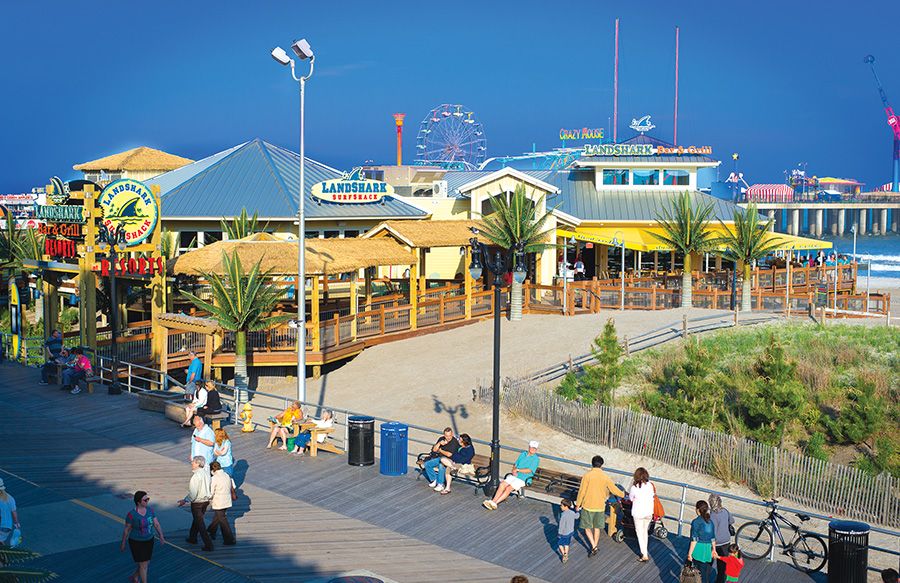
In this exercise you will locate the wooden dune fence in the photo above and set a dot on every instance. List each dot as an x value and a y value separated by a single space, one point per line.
770 471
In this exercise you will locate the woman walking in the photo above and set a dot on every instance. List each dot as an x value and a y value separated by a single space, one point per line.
9 517
641 494
722 522
222 450
141 525
703 542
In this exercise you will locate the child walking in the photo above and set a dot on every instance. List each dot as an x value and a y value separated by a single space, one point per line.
566 528
734 564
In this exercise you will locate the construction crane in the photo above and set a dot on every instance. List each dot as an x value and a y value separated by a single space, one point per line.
892 120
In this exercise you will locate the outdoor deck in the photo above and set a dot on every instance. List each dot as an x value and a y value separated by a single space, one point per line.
72 463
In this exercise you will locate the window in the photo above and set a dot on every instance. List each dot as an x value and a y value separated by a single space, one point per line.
212 237
351 234
311 234
676 177
332 234
373 174
187 240
92 176
645 177
611 177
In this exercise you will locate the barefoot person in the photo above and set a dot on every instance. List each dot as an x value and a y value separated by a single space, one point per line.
141 525
522 473
595 489
283 423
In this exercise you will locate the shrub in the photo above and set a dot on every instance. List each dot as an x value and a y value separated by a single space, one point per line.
815 447
776 397
599 381
690 391
860 418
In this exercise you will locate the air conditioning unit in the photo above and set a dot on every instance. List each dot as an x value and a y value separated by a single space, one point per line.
439 188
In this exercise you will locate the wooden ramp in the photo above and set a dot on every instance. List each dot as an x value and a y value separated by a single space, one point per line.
297 519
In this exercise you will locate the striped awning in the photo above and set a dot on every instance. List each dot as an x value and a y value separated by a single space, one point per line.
770 193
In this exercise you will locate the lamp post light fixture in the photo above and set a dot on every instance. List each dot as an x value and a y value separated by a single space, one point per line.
616 243
498 265
853 230
110 242
304 52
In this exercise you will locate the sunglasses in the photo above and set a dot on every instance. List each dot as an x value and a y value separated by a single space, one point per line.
146 499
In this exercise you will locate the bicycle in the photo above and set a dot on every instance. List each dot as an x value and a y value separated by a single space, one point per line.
807 551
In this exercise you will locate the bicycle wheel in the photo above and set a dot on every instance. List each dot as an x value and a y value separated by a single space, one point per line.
755 540
809 553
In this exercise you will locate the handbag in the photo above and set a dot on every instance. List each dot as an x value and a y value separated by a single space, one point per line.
233 492
689 574
15 539
658 510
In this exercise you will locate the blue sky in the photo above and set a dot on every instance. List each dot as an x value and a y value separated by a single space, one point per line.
781 82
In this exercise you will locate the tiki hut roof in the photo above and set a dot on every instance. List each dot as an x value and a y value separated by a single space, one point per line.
427 233
188 323
138 159
323 256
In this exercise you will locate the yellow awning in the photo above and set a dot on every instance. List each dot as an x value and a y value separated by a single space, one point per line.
642 239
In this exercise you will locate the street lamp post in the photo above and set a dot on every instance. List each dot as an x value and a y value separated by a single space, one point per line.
303 51
853 230
615 243
499 266
110 242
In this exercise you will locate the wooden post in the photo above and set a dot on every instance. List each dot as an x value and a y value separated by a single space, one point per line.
423 282
627 347
337 329
367 287
684 326
354 302
314 315
467 283
672 260
381 318
207 356
604 261
87 285
441 306
653 298
159 286
163 349
414 294
655 262
50 289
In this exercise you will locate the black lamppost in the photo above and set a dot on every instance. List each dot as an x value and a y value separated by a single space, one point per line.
110 242
501 264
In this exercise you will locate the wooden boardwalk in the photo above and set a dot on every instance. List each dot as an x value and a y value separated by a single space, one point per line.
73 461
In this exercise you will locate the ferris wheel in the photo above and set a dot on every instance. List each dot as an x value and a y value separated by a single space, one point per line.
451 137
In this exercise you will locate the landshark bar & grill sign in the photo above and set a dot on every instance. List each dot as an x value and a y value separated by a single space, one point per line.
66 213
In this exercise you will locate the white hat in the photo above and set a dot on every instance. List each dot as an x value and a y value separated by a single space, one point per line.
2 487
533 444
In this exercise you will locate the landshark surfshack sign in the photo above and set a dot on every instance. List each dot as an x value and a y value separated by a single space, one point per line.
352 188
131 204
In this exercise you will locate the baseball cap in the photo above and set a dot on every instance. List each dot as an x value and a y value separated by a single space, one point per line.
533 444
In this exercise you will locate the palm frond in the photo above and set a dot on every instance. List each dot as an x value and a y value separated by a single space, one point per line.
748 240
242 225
516 222
684 227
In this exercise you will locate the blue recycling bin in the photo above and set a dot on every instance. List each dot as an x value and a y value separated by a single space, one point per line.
394 448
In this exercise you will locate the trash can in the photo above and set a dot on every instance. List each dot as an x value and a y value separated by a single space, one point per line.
361 438
848 551
394 447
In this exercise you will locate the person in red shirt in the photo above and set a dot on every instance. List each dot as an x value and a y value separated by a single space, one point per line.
81 370
734 564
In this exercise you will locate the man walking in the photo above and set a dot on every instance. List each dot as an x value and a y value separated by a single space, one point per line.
203 440
595 489
221 487
198 497
53 348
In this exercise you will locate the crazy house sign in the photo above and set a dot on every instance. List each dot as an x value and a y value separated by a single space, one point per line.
131 204
352 188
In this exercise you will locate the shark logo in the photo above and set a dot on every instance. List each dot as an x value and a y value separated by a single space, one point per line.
59 192
642 124
131 205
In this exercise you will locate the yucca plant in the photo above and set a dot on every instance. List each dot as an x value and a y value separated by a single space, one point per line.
242 225
11 571
517 223
746 242
18 244
686 229
241 302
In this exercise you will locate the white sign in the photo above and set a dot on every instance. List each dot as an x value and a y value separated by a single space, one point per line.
352 188
642 124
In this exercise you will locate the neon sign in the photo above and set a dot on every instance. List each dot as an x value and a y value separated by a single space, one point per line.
581 134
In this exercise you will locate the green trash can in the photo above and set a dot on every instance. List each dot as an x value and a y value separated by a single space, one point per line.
290 443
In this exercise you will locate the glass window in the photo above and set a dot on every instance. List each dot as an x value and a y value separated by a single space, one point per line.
212 237
351 234
311 234
645 177
332 234
615 177
676 177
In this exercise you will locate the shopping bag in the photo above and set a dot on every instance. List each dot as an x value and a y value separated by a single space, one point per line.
15 539
658 511
689 574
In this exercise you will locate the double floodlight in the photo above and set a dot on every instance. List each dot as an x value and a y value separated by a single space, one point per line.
301 48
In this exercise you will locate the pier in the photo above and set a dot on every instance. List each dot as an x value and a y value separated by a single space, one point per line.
820 219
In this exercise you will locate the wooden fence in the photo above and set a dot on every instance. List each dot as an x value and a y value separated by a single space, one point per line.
770 471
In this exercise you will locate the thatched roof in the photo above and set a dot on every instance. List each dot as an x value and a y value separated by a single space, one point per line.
323 256
140 159
427 233
189 323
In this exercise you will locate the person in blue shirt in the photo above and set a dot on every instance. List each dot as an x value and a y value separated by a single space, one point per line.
461 457
703 542
194 374
522 474
53 347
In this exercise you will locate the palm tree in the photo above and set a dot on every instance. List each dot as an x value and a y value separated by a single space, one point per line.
241 302
516 223
686 230
18 244
242 225
747 242
10 571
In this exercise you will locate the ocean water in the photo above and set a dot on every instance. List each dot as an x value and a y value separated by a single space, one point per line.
882 252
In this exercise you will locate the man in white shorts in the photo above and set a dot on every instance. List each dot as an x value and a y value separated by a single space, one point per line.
522 474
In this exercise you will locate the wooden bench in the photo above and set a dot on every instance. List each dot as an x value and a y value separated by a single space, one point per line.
326 445
295 432
479 474
551 486
215 419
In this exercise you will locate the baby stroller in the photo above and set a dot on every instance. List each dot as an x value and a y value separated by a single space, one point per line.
622 508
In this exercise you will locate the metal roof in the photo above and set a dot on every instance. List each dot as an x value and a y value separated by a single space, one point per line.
579 197
265 179
455 180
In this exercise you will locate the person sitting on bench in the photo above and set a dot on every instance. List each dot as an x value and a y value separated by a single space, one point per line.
53 347
79 372
302 441
192 408
462 457
213 402
282 423
522 473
